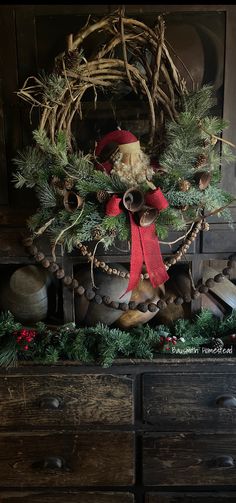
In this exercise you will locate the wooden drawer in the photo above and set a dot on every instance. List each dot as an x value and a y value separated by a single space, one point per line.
67 460
67 497
219 497
189 459
180 402
59 400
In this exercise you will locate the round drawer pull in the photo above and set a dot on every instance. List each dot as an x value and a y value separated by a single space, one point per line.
222 462
50 463
53 463
49 402
226 401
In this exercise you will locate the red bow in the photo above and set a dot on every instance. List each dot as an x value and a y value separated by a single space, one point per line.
145 246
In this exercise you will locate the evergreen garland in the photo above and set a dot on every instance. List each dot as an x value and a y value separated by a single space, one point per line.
102 344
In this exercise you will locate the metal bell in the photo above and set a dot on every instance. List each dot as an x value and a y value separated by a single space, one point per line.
133 199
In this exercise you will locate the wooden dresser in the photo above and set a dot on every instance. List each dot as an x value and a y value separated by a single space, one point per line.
160 432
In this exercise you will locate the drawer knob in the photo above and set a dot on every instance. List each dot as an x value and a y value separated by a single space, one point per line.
49 402
226 401
50 462
222 462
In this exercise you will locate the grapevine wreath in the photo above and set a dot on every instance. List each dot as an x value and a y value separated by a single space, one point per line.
124 188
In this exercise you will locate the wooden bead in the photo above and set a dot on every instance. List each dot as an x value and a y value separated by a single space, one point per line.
80 290
122 274
187 298
106 268
196 294
106 300
152 307
39 257
143 307
89 294
74 284
60 273
67 280
102 265
123 306
80 245
53 267
146 275
179 301
161 304
98 299
218 278
230 263
114 304
227 271
132 305
33 250
173 261
114 271
203 289
232 259
170 300
45 263
188 242
210 282
27 242
109 271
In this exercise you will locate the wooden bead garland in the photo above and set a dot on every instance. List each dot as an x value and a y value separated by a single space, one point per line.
123 306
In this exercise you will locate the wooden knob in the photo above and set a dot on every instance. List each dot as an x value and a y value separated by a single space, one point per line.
49 402
222 462
226 401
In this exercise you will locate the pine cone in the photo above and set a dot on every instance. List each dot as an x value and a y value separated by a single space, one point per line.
184 185
96 233
112 233
201 161
57 184
217 343
69 183
72 59
102 196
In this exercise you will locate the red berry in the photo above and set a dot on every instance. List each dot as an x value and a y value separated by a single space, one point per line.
26 348
168 339
174 342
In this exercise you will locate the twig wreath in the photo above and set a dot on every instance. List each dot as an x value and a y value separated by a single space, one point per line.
124 188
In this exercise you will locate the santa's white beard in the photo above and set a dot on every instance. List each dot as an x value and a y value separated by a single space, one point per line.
132 169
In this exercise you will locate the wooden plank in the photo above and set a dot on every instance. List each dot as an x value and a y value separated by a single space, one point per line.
188 401
187 497
219 239
189 459
66 401
64 497
3 163
43 459
225 290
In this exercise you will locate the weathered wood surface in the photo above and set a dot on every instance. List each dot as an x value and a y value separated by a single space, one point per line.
11 243
65 497
225 290
219 239
65 401
219 497
45 459
187 402
189 459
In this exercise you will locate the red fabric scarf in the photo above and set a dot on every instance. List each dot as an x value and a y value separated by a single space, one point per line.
145 246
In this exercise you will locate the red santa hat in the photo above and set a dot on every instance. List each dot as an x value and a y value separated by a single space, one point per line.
121 141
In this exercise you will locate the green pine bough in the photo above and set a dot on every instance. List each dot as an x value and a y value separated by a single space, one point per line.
102 344
190 147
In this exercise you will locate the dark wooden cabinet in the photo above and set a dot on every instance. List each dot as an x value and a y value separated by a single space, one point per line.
160 432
